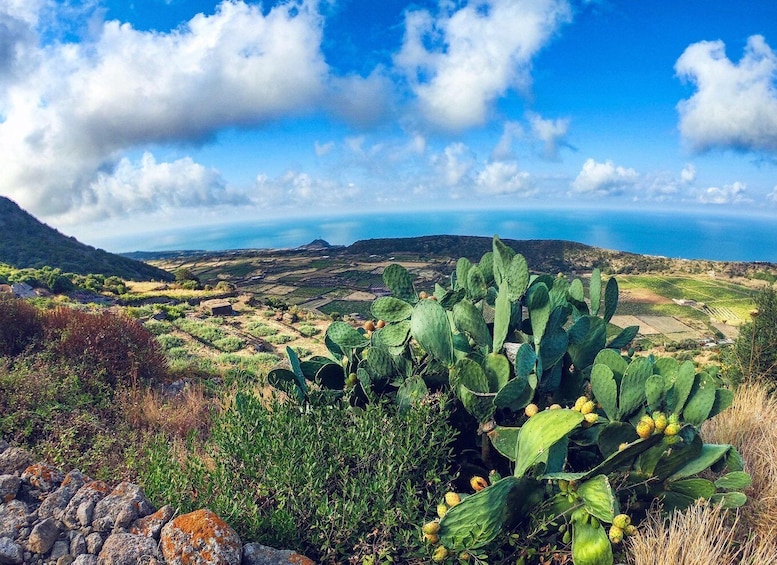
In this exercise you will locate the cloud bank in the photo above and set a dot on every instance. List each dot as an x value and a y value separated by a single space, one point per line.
735 104
603 179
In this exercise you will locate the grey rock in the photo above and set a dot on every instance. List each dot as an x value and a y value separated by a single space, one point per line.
85 560
187 538
56 503
43 536
258 554
127 500
3 445
65 560
9 486
13 517
14 460
152 524
78 545
94 543
60 548
43 477
10 552
80 508
129 549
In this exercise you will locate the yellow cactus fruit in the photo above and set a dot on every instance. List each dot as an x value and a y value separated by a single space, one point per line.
615 534
452 499
351 380
661 421
630 530
674 419
646 427
621 521
478 483
623 446
563 485
432 538
591 417
579 403
431 527
588 407
464 556
380 324
423 295
672 429
442 509
531 410
440 554
554 407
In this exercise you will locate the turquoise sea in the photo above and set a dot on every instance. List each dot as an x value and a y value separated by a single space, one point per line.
677 235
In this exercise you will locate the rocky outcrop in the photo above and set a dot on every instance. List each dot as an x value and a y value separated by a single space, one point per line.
51 518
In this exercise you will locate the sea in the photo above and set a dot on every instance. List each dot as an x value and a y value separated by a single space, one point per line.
669 234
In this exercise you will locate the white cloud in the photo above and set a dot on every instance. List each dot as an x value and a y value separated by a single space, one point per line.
730 194
322 149
504 147
455 164
772 196
459 63
69 117
504 177
550 132
603 178
688 174
295 189
147 186
735 104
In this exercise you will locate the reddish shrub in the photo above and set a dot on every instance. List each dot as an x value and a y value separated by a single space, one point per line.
114 345
20 324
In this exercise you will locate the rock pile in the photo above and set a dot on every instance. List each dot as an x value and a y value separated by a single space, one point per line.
51 518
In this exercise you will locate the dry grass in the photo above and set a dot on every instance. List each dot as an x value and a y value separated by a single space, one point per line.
177 416
750 425
704 535
701 535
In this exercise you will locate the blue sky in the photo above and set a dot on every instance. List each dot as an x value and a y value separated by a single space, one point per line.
123 117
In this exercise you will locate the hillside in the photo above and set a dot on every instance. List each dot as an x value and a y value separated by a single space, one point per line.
26 242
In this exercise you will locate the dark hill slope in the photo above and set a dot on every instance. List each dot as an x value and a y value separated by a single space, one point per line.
26 242
543 255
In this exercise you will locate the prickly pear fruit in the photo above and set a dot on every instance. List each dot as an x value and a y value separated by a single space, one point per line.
630 530
478 483
674 419
369 326
588 407
672 429
579 403
645 427
590 418
621 521
432 538
431 527
661 421
531 410
440 554
615 534
452 499
554 407
442 509
380 324
623 446
351 380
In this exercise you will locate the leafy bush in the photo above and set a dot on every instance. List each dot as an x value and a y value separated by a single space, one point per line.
229 344
754 353
333 482
114 346
308 331
278 339
259 329
168 341
201 330
20 325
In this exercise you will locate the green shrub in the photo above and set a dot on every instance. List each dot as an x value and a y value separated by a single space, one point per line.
20 325
337 484
201 330
259 329
308 331
158 327
278 339
168 341
229 344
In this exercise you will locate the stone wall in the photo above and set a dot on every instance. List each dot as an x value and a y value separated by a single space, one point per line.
51 518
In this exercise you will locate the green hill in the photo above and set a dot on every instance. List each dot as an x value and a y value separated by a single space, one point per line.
25 242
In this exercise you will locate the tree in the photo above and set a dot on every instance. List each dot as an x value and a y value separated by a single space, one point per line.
754 353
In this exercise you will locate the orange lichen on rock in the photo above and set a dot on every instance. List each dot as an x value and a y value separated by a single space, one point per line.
200 538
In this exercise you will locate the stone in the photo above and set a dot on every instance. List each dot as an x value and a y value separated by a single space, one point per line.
128 549
13 517
94 543
152 524
60 548
200 538
258 554
10 551
9 486
85 560
80 509
43 477
65 560
14 460
78 545
43 536
127 500
56 503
